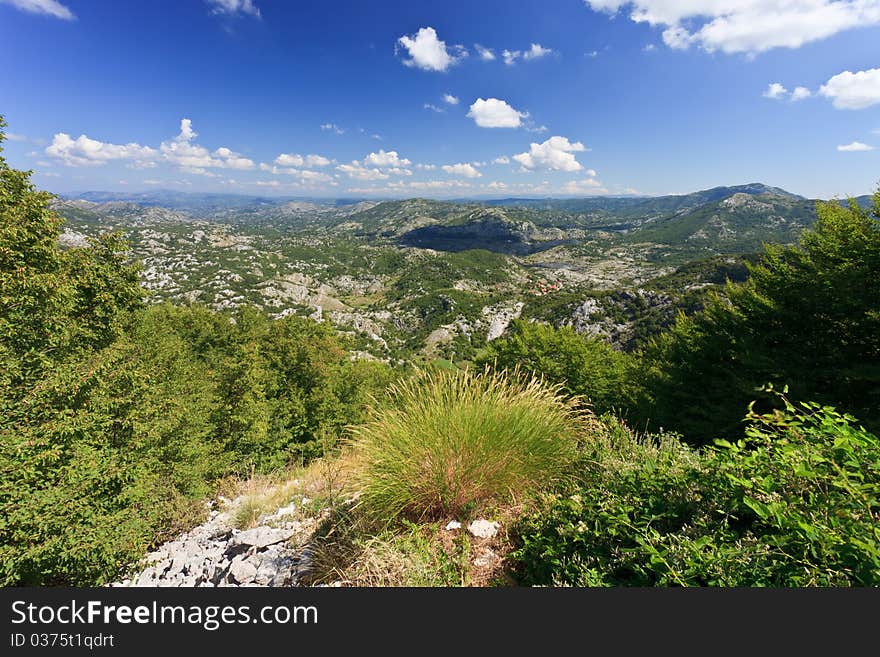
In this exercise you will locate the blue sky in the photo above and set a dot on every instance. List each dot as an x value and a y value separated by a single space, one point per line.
453 99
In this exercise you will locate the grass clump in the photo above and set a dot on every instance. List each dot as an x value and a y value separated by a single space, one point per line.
451 442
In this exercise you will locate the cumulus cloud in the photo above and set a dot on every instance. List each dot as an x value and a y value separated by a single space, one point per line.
853 91
428 52
184 153
775 91
426 167
495 113
44 7
385 159
332 127
434 108
463 169
315 176
584 186
377 166
503 159
536 51
855 147
486 54
234 7
84 151
555 154
296 160
745 26
449 99
358 172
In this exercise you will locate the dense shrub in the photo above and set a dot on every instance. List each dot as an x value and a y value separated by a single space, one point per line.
450 441
795 503
583 366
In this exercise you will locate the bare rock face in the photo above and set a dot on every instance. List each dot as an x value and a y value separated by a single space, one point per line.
262 537
500 319
217 554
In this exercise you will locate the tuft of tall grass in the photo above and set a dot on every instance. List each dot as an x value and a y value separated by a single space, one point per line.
447 442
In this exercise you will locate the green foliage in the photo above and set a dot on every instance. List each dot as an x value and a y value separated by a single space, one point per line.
53 304
583 366
115 419
795 503
807 318
449 442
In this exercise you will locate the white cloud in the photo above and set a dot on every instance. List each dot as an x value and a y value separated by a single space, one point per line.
45 7
537 128
426 167
83 151
296 160
501 160
746 26
275 170
584 186
315 176
536 51
332 127
357 171
464 170
486 54
377 166
385 159
184 153
555 154
449 99
855 147
853 91
232 160
648 48
233 7
434 108
429 53
152 181
437 184
775 91
495 113
510 56
12 136
800 93
199 171
142 164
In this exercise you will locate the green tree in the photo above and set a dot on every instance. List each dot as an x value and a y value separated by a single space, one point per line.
584 366
53 302
807 318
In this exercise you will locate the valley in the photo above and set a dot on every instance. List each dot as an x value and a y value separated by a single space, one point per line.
420 278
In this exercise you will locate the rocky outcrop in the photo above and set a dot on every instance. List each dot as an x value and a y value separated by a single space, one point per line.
274 553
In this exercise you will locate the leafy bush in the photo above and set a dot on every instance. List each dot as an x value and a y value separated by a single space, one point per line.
450 441
583 366
795 503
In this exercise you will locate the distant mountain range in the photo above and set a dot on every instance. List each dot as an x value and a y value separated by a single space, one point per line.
719 220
